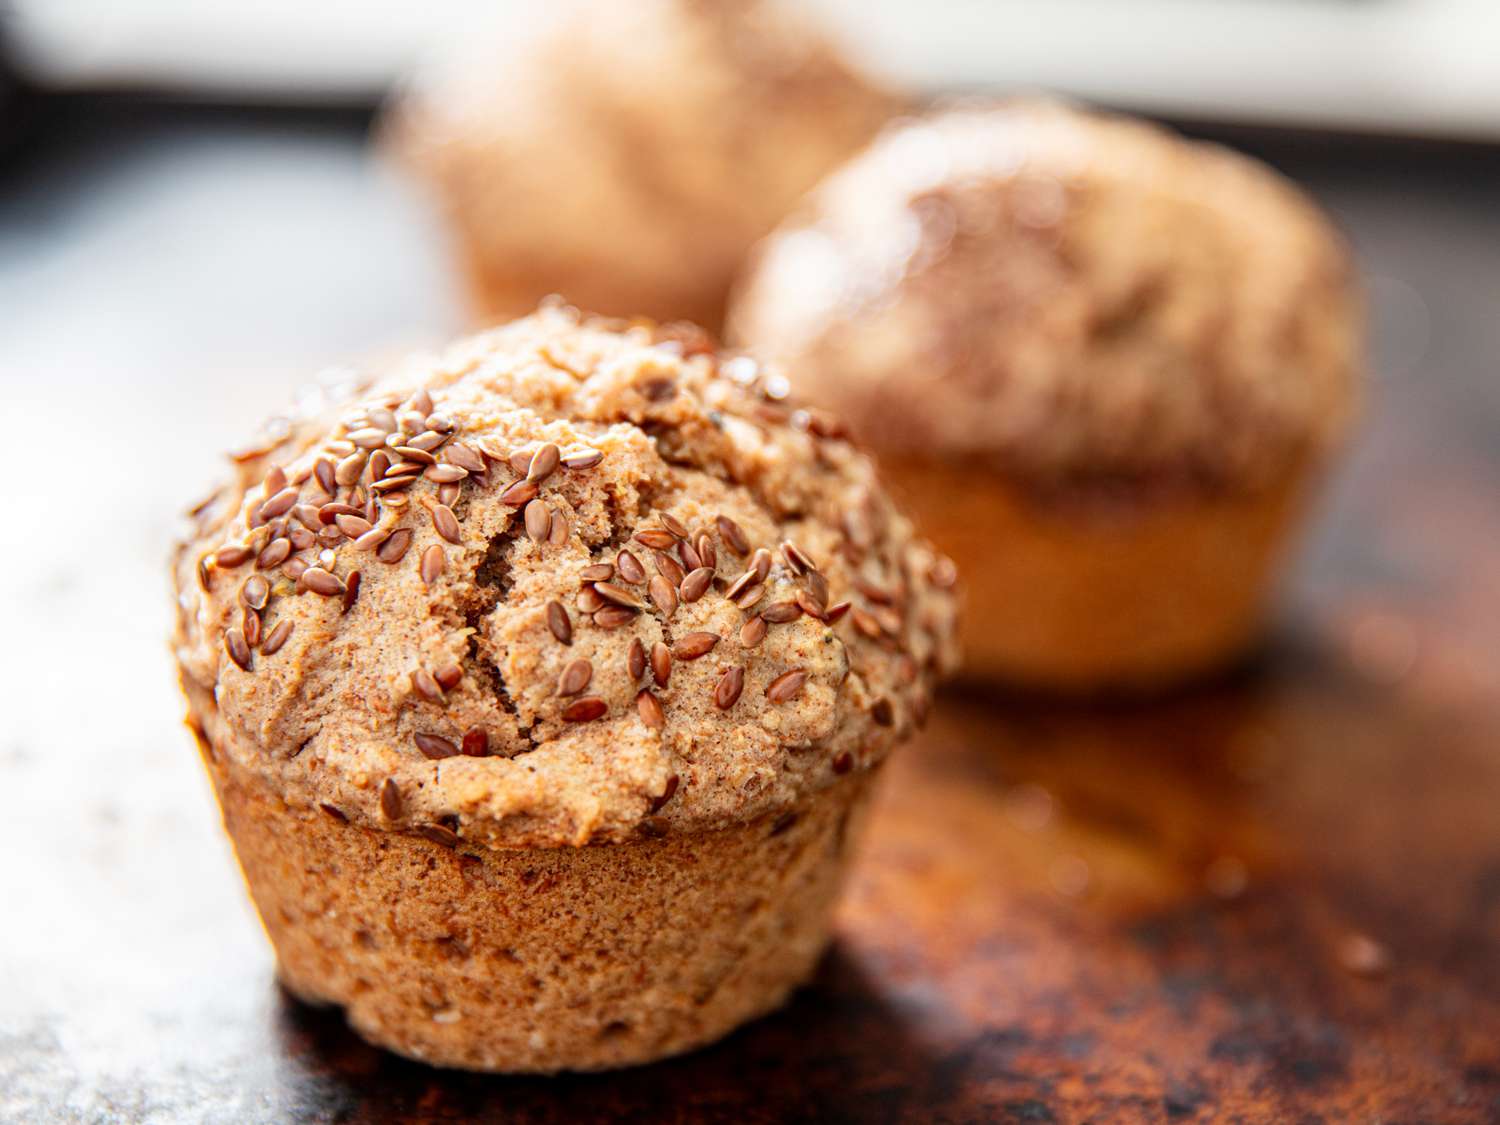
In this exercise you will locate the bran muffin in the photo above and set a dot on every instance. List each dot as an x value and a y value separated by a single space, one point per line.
542 684
629 155
1106 365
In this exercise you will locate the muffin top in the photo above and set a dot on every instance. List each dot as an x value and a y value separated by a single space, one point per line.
1072 298
631 153
571 581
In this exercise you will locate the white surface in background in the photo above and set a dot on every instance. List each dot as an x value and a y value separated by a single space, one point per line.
143 329
1428 66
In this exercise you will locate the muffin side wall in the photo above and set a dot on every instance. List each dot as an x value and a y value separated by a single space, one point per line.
510 960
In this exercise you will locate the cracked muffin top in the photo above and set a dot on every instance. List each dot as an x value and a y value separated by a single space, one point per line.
630 154
1067 296
572 580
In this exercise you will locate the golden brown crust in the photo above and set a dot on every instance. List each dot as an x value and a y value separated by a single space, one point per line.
631 155
525 668
1086 596
1067 296
542 959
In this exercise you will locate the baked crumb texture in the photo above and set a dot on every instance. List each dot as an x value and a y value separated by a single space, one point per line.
542 959
1070 298
630 155
568 582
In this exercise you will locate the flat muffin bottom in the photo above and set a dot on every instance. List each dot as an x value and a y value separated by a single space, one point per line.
542 959
1067 598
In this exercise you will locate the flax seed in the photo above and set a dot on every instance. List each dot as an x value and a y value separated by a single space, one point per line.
708 555
817 586
669 568
280 504
520 461
433 563
835 612
348 470
663 595
589 600
630 568
322 582
635 659
274 554
255 592
412 453
390 798
561 530
575 677
656 539
614 616
598 572
237 647
559 622
811 606
394 548
351 589
543 462
786 686
227 558
427 686
466 457
445 474
779 613
732 535
619 595
276 637
251 622
519 494
666 794
538 520
372 539
796 559
691 560
649 709
445 523
747 597
727 690
752 632
584 458
693 645
434 747
352 526
476 742
324 471
696 584
585 710
661 664
449 676
760 564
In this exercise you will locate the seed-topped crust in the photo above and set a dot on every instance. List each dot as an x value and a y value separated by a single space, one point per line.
494 676
1067 297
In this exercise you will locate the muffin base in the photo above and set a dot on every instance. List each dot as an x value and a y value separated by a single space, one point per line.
542 959
1073 599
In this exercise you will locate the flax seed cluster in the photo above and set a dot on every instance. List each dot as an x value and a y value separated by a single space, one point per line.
1066 297
569 581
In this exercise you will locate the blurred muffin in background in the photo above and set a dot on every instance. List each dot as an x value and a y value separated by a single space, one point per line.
629 155
1104 363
